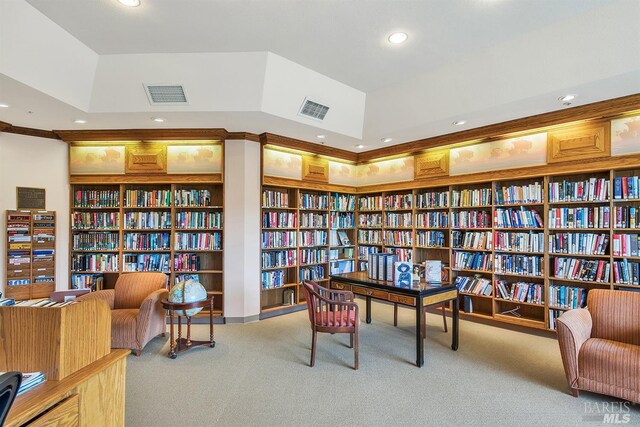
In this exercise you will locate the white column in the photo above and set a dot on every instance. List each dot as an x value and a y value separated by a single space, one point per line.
242 197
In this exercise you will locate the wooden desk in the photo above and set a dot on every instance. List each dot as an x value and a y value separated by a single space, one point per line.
91 396
418 297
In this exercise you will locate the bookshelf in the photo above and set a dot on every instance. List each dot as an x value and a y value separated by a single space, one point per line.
306 234
172 228
30 263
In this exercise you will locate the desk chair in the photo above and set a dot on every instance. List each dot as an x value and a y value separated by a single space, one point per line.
333 312
9 385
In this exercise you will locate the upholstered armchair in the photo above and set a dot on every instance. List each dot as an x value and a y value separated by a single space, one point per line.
333 312
136 313
600 345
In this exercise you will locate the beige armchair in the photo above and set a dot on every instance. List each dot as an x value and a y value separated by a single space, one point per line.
600 346
136 313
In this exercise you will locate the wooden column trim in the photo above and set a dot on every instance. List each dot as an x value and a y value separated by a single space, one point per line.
297 144
141 134
243 136
4 125
595 110
40 133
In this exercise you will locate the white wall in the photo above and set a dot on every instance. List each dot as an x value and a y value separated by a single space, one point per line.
242 198
27 161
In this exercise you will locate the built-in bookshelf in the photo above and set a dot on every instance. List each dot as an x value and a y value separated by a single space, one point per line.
171 228
306 235
30 263
520 251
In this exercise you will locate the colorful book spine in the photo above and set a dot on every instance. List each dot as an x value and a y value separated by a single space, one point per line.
370 203
525 265
275 199
590 190
433 199
470 219
471 198
518 242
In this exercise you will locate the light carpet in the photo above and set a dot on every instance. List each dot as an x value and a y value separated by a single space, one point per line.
258 375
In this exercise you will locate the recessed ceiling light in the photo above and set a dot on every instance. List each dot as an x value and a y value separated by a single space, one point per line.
321 136
386 140
397 38
157 119
130 3
359 146
567 98
4 105
80 121
459 122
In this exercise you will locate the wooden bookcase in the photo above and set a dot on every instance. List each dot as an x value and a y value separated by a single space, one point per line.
306 234
31 259
173 228
522 250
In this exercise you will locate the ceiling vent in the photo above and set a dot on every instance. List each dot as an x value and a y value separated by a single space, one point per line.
166 94
313 110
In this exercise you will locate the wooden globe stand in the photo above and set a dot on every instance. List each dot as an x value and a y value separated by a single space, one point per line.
184 344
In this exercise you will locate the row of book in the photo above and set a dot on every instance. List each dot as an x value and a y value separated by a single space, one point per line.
370 203
431 239
473 285
365 251
581 217
397 237
275 199
313 220
95 241
186 262
517 218
626 272
147 198
146 262
315 273
198 219
433 199
398 220
95 220
279 219
371 237
370 220
518 242
278 239
532 293
579 243
625 244
94 262
314 201
526 265
626 217
553 316
342 220
274 259
398 201
513 194
313 238
96 198
470 198
626 187
471 219
432 219
472 260
588 190
471 239
87 281
343 202
273 279
192 198
581 269
313 256
567 296
198 241
147 241
402 254
342 253
150 220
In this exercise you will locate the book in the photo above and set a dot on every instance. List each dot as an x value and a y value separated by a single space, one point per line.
344 239
402 276
433 271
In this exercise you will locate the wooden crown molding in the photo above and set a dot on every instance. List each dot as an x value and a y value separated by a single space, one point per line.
4 125
140 134
297 144
595 110
19 130
242 135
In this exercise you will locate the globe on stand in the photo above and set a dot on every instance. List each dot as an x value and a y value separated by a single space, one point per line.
187 291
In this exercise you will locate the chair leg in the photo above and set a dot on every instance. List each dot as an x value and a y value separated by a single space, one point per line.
444 318
575 392
350 340
356 347
164 334
313 348
395 314
138 351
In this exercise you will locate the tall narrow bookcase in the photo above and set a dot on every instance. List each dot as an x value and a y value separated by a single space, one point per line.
172 228
31 261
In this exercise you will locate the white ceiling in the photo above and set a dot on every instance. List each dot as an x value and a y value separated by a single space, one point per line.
484 61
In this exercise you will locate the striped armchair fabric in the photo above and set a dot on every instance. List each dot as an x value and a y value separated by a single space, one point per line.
136 313
600 346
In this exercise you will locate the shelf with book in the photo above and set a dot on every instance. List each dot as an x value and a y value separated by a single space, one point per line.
30 257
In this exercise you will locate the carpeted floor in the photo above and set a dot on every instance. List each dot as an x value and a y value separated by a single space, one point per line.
258 375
